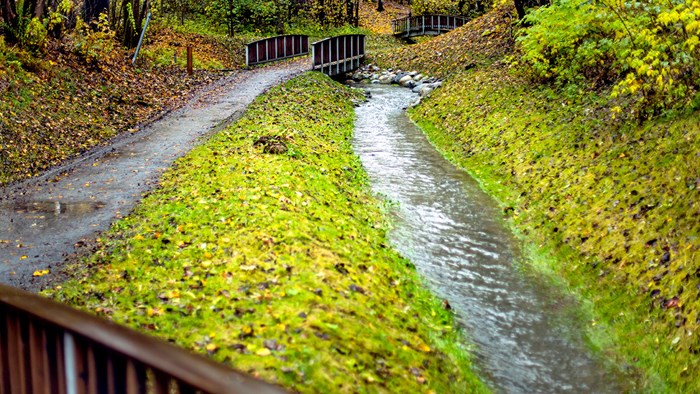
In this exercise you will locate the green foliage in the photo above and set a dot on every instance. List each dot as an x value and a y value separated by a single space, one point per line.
649 50
93 43
277 264
35 34
248 15
571 41
29 28
317 31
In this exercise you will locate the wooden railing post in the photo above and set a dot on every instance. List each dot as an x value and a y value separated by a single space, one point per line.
46 347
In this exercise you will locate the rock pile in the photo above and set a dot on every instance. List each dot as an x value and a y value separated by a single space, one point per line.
419 83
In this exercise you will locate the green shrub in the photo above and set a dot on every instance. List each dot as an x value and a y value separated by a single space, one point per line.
570 42
93 44
648 51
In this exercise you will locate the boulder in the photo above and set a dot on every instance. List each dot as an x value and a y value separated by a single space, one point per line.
397 78
426 90
405 80
386 79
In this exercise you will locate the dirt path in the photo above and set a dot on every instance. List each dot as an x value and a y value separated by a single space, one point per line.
48 220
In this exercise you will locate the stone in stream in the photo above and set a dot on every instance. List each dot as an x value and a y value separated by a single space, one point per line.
397 78
386 79
406 80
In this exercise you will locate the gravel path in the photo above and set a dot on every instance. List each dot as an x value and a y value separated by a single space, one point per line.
50 220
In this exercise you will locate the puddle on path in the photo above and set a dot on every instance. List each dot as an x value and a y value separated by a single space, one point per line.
527 340
55 208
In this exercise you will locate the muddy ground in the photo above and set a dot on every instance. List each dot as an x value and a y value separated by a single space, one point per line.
51 220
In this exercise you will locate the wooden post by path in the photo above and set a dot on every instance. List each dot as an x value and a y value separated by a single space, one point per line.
189 60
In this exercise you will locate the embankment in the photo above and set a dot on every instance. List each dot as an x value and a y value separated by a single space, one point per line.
264 249
610 206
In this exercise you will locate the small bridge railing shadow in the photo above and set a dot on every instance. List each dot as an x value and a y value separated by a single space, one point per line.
337 55
276 48
47 347
411 26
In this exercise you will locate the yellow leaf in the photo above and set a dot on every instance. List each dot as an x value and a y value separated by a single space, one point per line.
263 352
40 272
424 348
211 347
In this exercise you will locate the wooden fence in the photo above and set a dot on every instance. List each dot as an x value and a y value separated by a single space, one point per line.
46 347
340 54
425 25
276 48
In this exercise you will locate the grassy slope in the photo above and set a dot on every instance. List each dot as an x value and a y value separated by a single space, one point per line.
611 207
55 105
278 264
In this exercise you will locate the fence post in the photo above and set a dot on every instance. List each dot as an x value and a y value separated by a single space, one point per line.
189 60
143 32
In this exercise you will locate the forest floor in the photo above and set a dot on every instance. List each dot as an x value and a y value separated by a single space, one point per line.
59 101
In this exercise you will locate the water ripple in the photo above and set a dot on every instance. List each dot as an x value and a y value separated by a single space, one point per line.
525 340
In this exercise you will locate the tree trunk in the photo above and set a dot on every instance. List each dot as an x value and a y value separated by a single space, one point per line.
380 6
357 14
10 17
522 5
93 9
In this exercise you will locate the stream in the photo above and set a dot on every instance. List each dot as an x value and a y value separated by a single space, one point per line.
525 333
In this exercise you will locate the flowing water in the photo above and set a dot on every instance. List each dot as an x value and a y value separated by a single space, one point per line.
526 337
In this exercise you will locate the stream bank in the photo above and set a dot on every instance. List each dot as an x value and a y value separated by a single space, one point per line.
609 207
527 334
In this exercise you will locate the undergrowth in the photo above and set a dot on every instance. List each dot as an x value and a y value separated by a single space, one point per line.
278 264
82 90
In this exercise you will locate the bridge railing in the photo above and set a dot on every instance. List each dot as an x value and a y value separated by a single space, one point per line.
46 347
276 48
423 24
340 54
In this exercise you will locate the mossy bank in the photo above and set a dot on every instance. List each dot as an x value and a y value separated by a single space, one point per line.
265 249
610 206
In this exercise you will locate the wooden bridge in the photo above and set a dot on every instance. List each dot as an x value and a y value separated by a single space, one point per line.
331 56
47 347
338 55
424 25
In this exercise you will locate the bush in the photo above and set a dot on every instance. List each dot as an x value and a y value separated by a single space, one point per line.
93 44
649 51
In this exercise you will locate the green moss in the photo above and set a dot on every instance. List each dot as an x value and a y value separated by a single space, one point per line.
278 264
610 207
